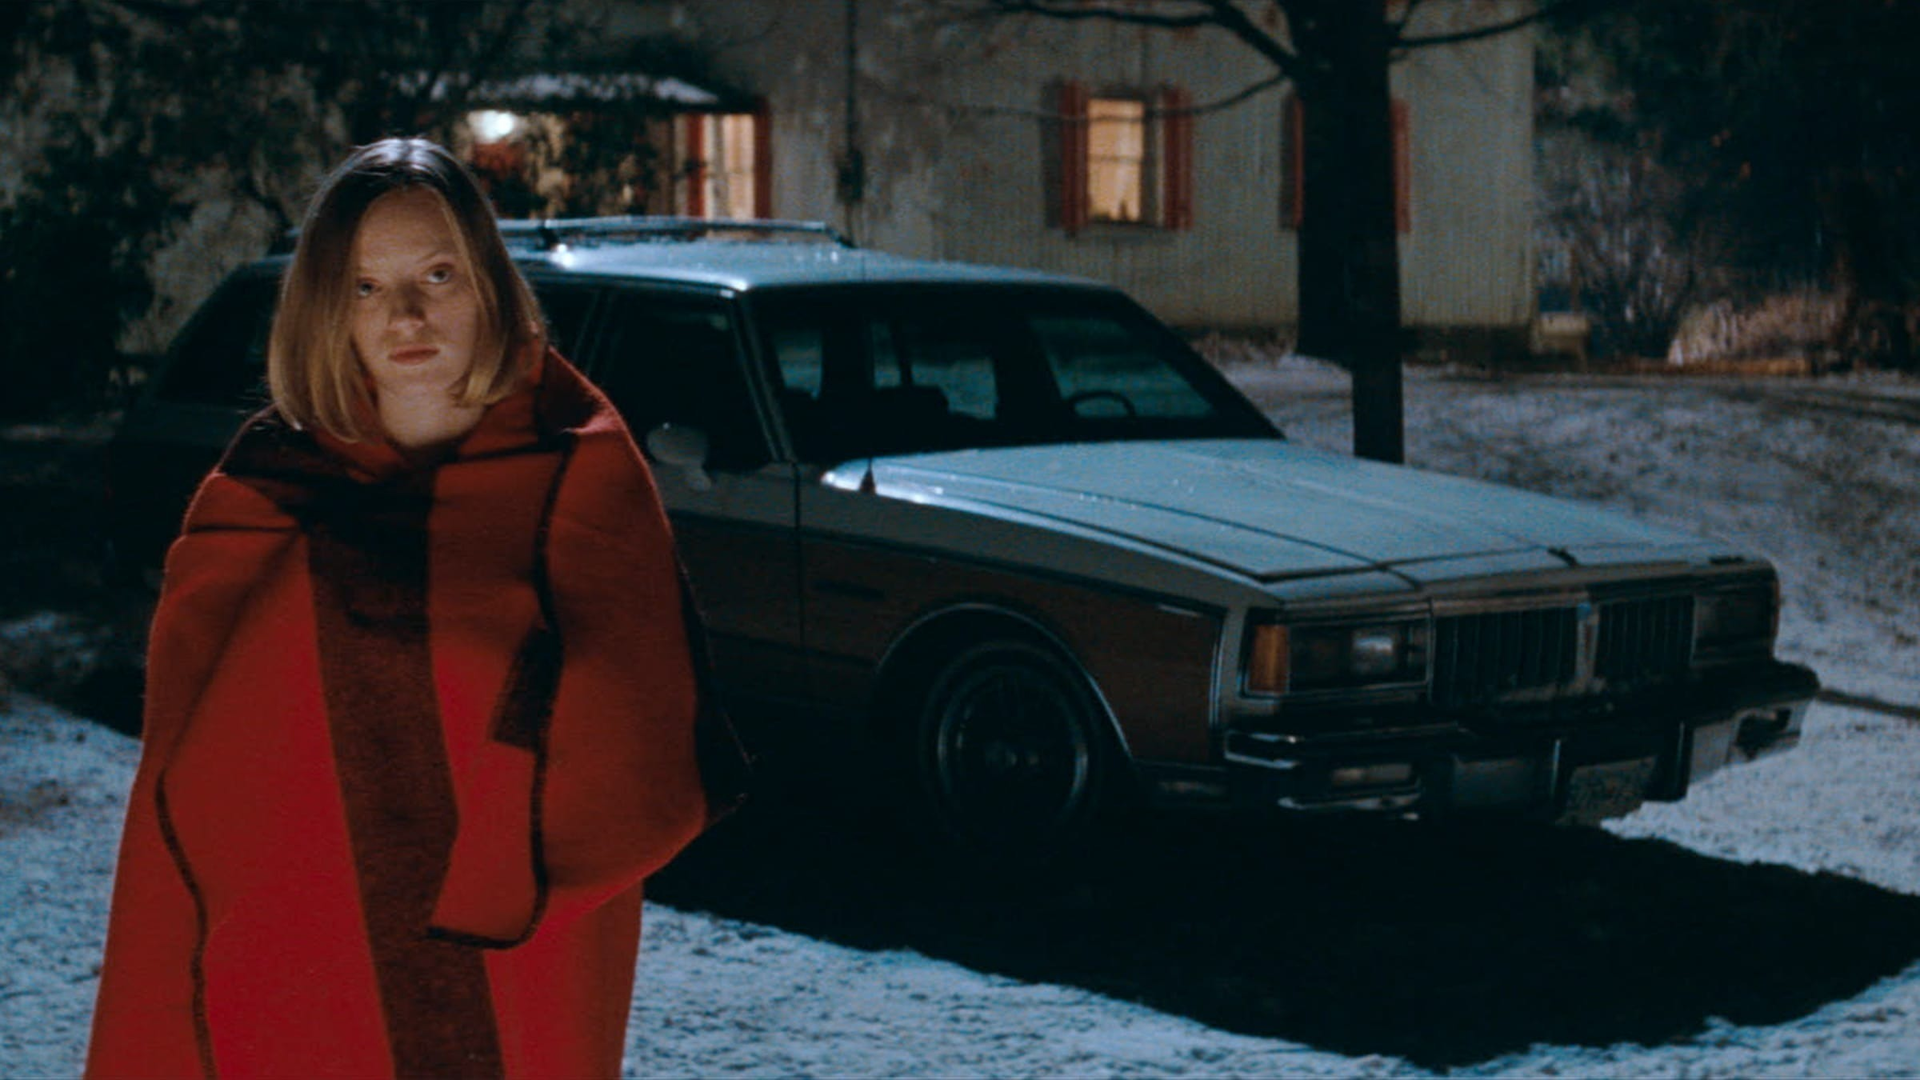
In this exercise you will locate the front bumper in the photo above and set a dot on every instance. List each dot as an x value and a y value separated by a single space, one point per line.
1580 761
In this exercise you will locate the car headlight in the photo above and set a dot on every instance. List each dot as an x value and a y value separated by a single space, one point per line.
1729 618
1283 659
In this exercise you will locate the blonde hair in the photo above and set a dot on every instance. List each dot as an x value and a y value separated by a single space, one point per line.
312 372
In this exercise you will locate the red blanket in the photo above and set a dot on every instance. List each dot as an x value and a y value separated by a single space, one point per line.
413 738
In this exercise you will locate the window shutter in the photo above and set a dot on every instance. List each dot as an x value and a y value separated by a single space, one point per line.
762 159
1293 123
1402 170
1176 158
696 165
1071 105
1292 201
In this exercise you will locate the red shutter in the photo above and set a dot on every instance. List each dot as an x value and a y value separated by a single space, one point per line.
1292 195
1176 158
762 159
1402 171
1072 196
696 164
1293 149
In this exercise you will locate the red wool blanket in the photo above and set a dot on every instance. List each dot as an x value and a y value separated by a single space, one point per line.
413 739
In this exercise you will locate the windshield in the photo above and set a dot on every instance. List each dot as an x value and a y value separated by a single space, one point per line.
875 370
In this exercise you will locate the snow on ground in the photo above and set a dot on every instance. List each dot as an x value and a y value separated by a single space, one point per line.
1819 476
1823 477
63 785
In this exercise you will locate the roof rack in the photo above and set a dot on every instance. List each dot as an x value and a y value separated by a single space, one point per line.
551 234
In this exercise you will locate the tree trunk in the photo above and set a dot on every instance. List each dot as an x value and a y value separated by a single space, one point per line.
1872 330
1349 263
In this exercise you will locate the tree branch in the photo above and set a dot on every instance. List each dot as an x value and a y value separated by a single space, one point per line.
1227 102
490 54
1542 10
487 59
1224 14
172 15
1407 13
1069 9
1151 113
1228 16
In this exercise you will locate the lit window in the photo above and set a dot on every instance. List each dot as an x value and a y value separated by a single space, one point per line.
723 171
730 173
1117 166
1121 160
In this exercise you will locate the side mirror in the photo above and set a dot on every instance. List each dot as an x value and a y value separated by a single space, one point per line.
684 448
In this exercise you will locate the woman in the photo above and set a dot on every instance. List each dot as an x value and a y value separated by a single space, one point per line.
420 709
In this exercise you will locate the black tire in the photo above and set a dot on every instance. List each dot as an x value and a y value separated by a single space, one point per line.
1011 753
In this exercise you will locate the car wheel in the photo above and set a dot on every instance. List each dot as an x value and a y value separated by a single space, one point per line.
1011 752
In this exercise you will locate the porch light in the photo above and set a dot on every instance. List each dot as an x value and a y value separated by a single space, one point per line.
492 125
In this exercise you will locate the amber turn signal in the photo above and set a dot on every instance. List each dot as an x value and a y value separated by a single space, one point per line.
1268 659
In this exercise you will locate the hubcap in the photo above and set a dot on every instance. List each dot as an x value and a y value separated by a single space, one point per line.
1011 757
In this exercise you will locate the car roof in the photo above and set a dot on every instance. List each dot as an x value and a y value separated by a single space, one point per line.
734 263
721 253
745 265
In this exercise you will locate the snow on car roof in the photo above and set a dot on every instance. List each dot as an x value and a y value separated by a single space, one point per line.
749 265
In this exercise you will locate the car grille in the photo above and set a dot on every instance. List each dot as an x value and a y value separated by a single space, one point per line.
1486 657
1644 639
1481 657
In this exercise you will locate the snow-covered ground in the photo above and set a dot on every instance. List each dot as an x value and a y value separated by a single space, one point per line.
1821 476
1814 973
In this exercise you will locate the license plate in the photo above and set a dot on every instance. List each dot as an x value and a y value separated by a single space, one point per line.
1598 792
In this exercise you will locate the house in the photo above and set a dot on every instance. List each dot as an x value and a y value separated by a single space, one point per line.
1153 159
1086 147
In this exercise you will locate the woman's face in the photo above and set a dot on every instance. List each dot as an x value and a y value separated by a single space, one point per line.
416 314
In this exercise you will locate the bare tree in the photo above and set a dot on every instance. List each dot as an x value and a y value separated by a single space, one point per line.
129 116
1791 124
1336 54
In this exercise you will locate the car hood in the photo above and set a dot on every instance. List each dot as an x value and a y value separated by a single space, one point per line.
1272 510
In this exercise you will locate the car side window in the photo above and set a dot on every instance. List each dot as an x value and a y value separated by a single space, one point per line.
671 358
800 354
887 369
565 307
873 370
221 358
881 374
1099 366
951 355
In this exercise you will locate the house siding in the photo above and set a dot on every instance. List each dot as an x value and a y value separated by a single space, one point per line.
954 131
1468 259
1233 267
952 122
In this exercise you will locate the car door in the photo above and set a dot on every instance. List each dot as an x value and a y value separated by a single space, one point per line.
673 356
214 375
567 304
869 372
